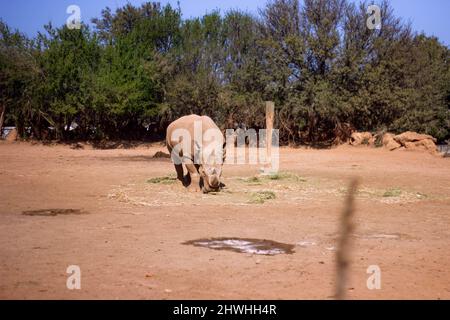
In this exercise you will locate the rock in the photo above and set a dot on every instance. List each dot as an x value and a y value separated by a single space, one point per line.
358 138
415 141
409 140
423 145
389 142
410 136
12 135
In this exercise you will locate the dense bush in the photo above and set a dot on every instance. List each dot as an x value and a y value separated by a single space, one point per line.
141 67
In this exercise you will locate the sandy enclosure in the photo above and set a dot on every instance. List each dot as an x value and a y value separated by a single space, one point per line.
124 220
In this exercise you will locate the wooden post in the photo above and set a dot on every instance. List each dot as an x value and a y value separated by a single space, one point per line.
270 112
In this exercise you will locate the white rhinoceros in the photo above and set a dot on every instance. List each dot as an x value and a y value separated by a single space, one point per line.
198 143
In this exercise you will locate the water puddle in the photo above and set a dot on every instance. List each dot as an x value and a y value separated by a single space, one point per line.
306 243
242 245
381 236
52 212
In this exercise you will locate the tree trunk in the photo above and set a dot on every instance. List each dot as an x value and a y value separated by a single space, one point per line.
36 127
2 118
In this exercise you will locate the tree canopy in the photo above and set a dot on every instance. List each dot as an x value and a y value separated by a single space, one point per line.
138 68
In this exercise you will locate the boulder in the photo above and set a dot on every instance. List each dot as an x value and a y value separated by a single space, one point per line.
416 141
389 142
410 136
408 140
422 145
359 138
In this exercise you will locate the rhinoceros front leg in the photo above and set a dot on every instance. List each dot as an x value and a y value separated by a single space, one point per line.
194 177
180 175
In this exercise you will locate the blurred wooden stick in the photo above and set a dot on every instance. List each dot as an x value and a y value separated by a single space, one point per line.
343 250
270 112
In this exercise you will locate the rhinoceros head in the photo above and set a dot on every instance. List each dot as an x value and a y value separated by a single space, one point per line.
211 173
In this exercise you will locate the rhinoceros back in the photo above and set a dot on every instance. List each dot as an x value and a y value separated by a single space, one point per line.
188 123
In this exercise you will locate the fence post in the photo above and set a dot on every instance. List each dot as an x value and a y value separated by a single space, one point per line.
270 112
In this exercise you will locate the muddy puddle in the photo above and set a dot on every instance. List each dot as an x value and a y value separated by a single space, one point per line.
244 245
52 212
384 236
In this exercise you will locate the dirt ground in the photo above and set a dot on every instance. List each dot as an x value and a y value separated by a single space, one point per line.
130 219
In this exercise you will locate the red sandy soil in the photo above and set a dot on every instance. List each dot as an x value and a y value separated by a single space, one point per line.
129 243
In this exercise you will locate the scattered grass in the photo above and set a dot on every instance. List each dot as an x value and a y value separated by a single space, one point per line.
254 181
262 196
276 176
389 193
393 192
162 180
286 176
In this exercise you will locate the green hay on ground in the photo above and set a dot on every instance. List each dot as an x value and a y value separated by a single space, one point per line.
254 181
393 192
280 176
286 176
261 196
162 180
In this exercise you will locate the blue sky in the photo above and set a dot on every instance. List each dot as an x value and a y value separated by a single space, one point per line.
29 16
